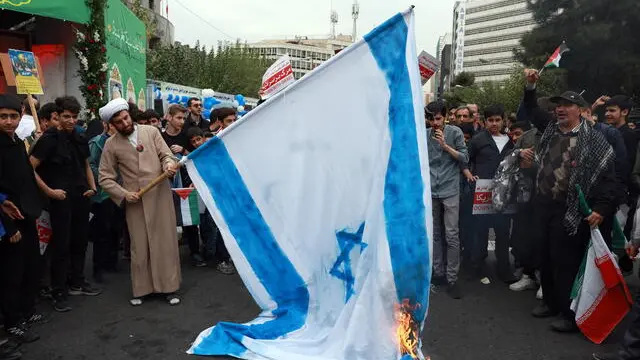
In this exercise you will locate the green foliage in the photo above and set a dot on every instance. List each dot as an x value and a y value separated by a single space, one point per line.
231 68
602 36
145 16
464 79
509 92
91 53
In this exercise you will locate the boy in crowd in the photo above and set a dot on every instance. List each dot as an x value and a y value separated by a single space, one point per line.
108 218
214 248
447 156
221 118
63 173
176 138
19 247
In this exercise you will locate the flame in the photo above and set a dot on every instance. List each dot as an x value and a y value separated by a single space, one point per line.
408 330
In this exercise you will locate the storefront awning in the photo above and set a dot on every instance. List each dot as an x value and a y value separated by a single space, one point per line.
69 10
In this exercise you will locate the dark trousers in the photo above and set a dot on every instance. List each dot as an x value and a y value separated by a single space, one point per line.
466 222
106 229
524 241
192 235
561 255
19 273
501 226
214 248
630 347
69 227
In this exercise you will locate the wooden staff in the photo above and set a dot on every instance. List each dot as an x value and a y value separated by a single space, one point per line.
158 180
34 113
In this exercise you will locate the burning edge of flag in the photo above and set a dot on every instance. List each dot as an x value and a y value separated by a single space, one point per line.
408 329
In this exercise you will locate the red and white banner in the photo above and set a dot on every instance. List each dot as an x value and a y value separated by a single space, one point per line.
43 225
277 77
483 199
428 66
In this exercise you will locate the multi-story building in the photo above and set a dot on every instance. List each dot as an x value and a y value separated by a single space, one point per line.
164 29
306 53
485 35
443 53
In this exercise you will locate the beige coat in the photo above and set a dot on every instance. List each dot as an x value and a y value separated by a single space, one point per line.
155 261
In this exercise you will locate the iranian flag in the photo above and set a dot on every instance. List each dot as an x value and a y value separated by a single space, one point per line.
600 297
554 60
187 205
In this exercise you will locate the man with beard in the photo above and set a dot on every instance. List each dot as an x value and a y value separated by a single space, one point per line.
571 154
194 117
137 155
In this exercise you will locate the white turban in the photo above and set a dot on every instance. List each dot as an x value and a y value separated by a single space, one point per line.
112 108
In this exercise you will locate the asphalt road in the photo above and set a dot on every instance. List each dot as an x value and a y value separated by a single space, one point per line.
490 323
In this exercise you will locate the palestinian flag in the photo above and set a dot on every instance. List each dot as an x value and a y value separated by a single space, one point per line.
600 297
187 205
554 60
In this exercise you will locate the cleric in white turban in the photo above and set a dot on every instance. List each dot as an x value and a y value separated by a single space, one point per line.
112 108
137 155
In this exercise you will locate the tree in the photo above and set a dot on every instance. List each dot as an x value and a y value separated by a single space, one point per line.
508 93
233 68
464 79
602 36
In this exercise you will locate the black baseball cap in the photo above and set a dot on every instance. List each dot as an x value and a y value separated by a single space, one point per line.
570 96
8 101
622 101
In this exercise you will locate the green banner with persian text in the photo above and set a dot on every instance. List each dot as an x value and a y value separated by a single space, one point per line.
69 10
126 43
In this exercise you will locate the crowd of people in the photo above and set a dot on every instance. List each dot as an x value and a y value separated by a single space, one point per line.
86 181
559 146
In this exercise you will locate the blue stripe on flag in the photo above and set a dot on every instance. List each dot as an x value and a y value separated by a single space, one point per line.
259 246
404 187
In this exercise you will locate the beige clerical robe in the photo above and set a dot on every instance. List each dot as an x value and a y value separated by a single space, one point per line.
155 261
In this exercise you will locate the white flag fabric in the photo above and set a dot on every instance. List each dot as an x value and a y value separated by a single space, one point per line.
322 196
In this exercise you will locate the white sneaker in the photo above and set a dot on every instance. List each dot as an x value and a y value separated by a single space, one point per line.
539 293
525 283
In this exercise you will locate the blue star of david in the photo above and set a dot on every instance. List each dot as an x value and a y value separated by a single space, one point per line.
347 241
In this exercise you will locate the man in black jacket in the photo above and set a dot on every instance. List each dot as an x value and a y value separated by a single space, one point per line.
571 155
194 116
19 248
486 150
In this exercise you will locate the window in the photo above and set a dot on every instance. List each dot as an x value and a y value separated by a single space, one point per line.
493 6
493 50
488 40
501 27
504 15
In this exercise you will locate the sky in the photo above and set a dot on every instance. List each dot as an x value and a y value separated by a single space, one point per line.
255 20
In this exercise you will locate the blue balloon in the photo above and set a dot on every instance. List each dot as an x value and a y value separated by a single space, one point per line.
170 98
240 99
184 99
208 103
206 113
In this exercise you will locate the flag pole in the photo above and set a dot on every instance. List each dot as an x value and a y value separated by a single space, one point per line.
164 176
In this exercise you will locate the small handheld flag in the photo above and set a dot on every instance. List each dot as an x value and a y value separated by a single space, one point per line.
554 59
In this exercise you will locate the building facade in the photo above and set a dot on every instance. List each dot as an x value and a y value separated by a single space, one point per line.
485 35
306 53
164 30
442 78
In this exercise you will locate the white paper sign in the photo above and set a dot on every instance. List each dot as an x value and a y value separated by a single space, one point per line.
483 200
428 66
277 77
